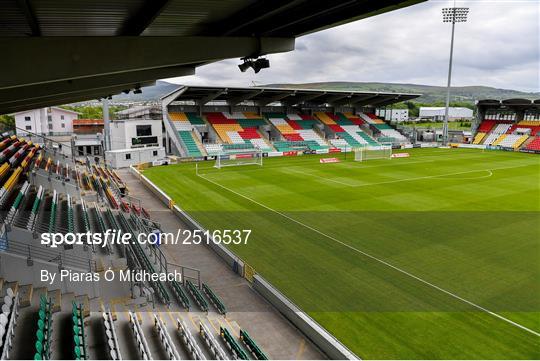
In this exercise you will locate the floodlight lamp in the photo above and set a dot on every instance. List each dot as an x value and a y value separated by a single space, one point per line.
245 65
261 63
256 64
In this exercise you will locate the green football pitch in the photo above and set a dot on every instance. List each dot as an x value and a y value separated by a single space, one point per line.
432 256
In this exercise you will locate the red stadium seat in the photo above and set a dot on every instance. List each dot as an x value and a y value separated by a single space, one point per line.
249 133
336 128
294 125
534 145
293 137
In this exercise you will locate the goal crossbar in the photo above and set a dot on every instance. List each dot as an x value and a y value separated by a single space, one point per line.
251 157
369 153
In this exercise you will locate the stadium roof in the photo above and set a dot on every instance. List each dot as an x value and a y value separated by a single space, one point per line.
59 52
509 103
263 96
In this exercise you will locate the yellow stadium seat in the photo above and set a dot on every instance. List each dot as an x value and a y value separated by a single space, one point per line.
520 141
252 115
323 117
499 140
478 138
178 117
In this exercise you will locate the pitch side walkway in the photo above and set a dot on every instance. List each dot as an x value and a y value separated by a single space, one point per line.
276 336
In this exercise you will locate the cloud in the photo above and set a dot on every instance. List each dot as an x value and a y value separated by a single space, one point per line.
498 46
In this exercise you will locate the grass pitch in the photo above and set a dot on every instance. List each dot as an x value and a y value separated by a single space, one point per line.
433 256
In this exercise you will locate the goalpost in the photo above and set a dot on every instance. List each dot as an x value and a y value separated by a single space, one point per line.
248 157
369 153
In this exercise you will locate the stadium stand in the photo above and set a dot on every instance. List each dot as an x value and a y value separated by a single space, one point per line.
35 208
297 130
534 144
184 124
346 130
238 128
508 124
385 129
511 140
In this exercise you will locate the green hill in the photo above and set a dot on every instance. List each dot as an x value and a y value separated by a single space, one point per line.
430 94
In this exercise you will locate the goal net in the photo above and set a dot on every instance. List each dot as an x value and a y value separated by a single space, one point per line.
251 157
369 153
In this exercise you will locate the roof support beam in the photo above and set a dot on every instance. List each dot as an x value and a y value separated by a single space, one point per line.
301 17
68 58
334 98
211 96
355 99
137 24
65 99
42 92
239 99
274 98
385 99
300 99
30 16
251 14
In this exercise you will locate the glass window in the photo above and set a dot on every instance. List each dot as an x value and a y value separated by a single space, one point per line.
128 156
154 153
27 119
28 127
144 130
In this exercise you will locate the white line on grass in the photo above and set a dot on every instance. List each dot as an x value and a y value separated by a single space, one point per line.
440 175
378 259
318 176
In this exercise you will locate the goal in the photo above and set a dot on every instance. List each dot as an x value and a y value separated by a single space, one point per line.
251 157
369 153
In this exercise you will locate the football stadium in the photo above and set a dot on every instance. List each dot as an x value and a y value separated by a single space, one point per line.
280 221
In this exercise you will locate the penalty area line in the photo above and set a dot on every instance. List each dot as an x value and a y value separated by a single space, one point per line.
470 303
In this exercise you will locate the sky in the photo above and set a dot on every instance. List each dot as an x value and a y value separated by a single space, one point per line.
498 46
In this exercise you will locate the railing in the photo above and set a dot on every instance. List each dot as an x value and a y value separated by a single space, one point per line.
47 255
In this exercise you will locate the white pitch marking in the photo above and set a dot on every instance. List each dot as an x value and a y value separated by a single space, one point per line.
318 176
380 260
440 175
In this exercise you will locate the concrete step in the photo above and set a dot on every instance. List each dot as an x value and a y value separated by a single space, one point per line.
25 295
13 285
56 296
85 302
36 294
67 299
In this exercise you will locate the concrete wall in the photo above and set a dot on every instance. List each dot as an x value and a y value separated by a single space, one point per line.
118 158
122 132
315 332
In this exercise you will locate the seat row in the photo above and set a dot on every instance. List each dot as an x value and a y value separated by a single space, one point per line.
44 330
165 339
8 322
189 342
112 339
80 351
140 340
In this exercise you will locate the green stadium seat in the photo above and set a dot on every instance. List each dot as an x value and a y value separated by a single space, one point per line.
191 146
